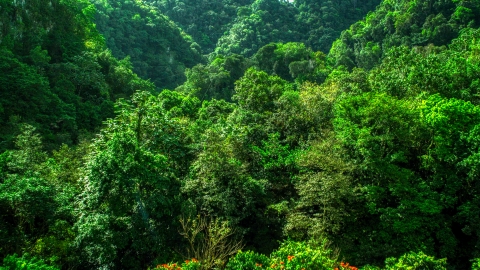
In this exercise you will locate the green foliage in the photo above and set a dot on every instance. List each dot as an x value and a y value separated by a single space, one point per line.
26 198
216 80
131 187
297 255
178 105
187 265
292 61
374 147
257 91
205 21
290 255
212 241
55 73
248 260
158 49
191 265
315 23
269 21
476 264
219 183
26 262
402 22
414 260
325 191
25 94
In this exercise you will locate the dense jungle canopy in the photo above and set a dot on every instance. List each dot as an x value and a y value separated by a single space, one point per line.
239 134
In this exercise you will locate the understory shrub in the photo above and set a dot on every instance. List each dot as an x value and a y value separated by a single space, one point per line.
14 262
416 261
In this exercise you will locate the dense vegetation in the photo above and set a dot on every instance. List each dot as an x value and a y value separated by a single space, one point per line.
205 20
158 49
273 151
316 23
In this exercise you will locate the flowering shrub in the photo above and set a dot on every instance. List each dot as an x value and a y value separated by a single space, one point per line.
290 255
300 255
192 264
345 266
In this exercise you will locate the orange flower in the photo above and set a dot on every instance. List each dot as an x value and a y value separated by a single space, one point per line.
258 264
187 261
290 257
194 260
281 262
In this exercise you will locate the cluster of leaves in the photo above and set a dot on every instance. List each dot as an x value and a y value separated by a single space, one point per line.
13 262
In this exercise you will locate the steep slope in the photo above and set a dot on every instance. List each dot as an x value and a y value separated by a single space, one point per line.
205 20
315 23
263 22
323 21
54 71
158 49
405 22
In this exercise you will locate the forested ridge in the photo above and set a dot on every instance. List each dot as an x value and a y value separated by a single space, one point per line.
239 134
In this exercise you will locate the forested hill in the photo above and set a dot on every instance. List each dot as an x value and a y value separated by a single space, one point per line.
397 23
56 73
315 23
239 134
158 49
205 20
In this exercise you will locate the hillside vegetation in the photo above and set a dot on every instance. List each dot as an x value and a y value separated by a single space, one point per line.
239 134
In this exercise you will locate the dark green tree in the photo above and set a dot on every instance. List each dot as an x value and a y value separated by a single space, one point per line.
130 200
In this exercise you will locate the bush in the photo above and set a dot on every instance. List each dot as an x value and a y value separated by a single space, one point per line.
413 261
192 264
370 267
13 262
476 264
298 255
290 255
248 261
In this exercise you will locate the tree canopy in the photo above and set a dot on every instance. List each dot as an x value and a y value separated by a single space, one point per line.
239 134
